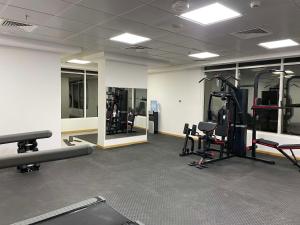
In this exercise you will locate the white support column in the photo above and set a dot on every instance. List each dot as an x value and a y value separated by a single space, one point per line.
281 93
101 102
237 75
84 95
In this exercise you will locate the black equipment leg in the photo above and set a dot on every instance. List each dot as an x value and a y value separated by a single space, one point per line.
259 160
24 147
293 160
218 159
185 150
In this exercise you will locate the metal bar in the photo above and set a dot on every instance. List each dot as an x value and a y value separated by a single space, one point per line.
259 159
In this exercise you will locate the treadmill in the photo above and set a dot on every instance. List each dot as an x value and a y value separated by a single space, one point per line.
94 211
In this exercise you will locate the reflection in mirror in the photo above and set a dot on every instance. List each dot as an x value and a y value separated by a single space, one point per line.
140 101
91 95
291 115
268 94
72 95
125 112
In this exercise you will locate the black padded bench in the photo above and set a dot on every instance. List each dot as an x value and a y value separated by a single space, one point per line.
281 149
12 138
268 143
26 142
31 158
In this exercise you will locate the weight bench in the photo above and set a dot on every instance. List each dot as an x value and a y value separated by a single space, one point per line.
32 158
211 131
281 149
26 142
25 137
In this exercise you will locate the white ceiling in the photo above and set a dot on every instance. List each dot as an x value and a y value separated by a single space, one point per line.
90 23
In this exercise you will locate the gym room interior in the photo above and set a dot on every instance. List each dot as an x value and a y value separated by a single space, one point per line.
150 112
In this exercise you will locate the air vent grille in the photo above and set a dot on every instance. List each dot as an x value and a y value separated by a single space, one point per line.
138 47
251 33
10 25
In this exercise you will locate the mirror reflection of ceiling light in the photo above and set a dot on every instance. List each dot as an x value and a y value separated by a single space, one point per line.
79 61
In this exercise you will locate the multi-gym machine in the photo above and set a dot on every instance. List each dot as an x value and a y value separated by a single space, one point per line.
231 126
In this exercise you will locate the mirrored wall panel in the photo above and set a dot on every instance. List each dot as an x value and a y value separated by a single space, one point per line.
126 112
79 93
72 95
91 95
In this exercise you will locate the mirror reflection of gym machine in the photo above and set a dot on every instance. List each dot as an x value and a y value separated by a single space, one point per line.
119 118
230 125
289 126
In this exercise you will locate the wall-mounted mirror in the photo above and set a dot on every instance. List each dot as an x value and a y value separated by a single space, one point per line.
79 93
126 112
72 92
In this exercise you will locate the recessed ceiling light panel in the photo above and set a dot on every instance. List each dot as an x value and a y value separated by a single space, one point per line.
204 55
279 44
130 38
210 14
79 61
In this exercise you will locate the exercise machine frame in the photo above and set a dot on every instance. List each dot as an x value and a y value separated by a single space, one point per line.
236 104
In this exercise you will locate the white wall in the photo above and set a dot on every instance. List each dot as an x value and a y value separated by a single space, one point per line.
169 88
79 124
126 75
140 121
118 74
30 94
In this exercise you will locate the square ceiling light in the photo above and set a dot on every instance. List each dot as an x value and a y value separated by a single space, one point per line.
130 38
79 61
210 14
279 44
204 55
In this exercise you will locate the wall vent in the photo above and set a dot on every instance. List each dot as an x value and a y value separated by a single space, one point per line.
251 33
10 25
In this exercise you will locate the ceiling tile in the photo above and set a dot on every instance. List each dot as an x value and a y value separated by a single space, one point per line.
36 36
125 25
112 6
72 1
147 15
102 32
200 45
45 6
85 41
176 49
85 15
167 4
171 55
155 52
19 14
52 32
1 6
154 44
174 38
147 1
67 25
